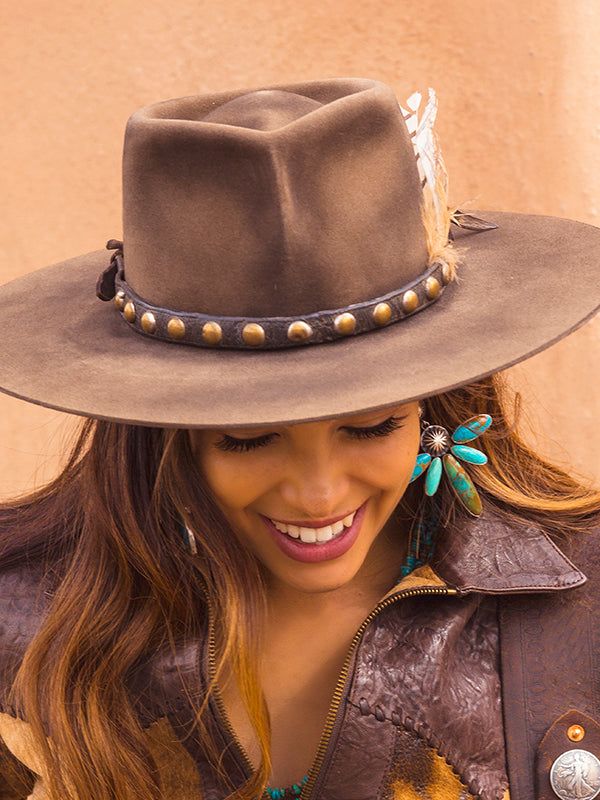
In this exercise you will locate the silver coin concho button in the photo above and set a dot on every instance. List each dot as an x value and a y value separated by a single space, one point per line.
575 775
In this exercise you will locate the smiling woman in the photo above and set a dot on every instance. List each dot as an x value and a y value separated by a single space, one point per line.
298 548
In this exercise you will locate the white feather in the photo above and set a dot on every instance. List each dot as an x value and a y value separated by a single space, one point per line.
414 101
430 162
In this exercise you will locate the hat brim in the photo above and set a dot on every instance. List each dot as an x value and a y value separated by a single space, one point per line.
522 287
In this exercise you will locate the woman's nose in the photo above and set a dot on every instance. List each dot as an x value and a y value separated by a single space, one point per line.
316 484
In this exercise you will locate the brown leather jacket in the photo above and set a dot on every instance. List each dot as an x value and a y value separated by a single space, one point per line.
462 682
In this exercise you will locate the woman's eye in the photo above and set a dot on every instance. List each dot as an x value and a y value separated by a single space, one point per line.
381 429
231 444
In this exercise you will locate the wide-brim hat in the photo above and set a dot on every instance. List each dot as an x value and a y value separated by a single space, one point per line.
288 255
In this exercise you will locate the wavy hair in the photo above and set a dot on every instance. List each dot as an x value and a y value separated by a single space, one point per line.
120 583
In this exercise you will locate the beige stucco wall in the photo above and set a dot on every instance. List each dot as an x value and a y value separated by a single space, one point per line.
519 92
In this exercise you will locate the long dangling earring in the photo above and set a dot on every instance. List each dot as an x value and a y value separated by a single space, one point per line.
440 448
421 540
189 540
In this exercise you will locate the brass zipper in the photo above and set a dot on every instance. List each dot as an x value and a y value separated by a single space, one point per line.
338 692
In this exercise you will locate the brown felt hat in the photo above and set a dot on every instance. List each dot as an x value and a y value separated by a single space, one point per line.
288 254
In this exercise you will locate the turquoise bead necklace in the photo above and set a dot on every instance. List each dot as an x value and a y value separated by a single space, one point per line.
289 791
420 550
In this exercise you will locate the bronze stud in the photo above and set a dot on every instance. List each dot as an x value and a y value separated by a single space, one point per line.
299 331
148 322
446 274
253 334
432 288
410 301
176 328
129 312
120 299
212 332
382 313
345 323
576 732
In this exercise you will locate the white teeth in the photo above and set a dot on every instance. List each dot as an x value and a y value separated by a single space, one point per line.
312 535
308 535
324 534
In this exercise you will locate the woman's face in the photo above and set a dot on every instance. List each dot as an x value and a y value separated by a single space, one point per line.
333 481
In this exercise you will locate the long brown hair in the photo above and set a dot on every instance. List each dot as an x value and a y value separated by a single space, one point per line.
121 583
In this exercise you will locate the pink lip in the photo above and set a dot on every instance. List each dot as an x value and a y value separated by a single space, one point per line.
312 553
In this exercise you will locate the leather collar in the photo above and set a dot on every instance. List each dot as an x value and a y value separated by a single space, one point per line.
490 554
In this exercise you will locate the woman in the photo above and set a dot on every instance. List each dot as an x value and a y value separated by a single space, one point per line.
308 554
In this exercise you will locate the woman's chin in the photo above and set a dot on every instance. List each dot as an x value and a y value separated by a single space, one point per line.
316 577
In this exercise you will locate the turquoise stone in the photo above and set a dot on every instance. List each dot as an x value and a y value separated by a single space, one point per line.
462 485
472 428
421 464
470 454
432 480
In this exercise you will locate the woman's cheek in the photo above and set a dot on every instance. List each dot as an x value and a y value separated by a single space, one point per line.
238 479
388 465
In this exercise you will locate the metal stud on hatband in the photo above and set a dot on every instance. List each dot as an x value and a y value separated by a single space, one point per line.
176 328
212 333
382 313
432 288
345 323
129 312
120 299
410 301
148 322
253 334
299 331
446 274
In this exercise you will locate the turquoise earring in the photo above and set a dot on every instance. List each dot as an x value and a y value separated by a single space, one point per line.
440 450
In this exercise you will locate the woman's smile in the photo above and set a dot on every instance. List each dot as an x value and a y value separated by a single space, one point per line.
311 544
314 531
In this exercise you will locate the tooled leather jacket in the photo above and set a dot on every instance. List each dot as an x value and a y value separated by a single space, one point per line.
469 678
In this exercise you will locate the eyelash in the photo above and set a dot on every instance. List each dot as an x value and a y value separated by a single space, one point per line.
231 444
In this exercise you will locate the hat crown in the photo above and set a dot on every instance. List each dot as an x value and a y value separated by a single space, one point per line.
277 201
263 109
